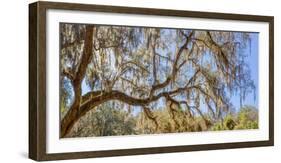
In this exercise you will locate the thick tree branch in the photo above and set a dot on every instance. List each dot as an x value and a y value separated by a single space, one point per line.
95 98
71 116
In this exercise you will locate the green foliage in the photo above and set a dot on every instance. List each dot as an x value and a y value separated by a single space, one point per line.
246 118
109 120
181 121
227 124
105 120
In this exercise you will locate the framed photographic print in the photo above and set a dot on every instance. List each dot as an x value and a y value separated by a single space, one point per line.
112 81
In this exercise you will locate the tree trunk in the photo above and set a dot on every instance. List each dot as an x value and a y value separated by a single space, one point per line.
72 114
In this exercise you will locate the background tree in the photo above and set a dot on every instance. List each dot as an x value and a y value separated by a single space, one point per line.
246 118
107 120
181 123
149 67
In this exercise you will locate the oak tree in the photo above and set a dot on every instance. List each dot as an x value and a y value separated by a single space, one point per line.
148 67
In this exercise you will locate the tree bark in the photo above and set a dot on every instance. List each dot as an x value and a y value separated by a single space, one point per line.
71 116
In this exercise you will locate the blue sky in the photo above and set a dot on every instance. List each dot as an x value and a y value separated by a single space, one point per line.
252 60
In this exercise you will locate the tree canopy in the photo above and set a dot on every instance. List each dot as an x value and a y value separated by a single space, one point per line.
151 67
